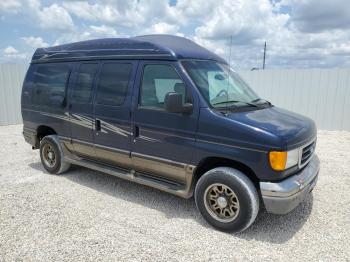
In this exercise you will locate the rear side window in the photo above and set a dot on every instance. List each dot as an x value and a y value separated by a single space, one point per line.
50 84
113 83
28 85
157 81
83 85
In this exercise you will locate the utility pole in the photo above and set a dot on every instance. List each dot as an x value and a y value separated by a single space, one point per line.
264 56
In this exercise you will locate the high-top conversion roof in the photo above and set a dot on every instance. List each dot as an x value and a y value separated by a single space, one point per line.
166 47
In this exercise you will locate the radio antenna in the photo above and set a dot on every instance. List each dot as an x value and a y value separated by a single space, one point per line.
264 55
229 58
228 73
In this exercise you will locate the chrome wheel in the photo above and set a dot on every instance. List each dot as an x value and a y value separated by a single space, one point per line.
221 202
49 155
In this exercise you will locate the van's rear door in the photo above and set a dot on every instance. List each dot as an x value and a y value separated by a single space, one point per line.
81 109
112 105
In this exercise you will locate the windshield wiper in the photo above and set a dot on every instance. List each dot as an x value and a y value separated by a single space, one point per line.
260 99
235 101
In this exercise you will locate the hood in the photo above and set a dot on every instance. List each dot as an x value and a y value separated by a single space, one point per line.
291 128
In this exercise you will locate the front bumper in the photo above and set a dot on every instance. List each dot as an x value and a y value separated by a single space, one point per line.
283 197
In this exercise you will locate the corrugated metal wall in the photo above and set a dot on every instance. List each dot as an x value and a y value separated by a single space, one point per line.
11 78
322 94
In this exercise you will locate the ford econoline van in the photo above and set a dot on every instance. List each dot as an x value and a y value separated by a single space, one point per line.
165 112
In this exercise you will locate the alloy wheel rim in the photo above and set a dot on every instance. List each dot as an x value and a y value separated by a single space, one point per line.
221 202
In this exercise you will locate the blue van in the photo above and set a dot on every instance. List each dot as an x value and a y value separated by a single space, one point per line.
165 112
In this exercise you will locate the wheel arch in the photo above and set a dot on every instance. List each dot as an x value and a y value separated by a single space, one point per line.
43 131
209 163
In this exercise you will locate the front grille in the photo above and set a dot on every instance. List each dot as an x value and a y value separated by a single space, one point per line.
306 153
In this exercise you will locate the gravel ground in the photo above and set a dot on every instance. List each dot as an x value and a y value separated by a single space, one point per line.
86 215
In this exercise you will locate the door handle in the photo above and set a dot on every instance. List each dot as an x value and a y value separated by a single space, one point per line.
98 125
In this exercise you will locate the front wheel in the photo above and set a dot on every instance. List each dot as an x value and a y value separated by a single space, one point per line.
227 199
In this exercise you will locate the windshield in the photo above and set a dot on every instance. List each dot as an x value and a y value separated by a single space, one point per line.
220 85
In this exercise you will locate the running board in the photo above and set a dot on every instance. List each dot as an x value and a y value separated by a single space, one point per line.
131 175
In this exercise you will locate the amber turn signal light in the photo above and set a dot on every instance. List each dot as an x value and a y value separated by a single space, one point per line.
278 160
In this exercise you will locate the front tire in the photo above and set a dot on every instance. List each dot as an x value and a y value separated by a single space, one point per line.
51 155
227 199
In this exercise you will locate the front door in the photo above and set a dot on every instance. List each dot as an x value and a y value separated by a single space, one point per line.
81 109
112 112
163 142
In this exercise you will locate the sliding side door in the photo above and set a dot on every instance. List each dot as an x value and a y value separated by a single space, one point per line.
112 131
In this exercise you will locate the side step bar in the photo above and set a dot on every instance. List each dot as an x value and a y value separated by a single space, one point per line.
131 175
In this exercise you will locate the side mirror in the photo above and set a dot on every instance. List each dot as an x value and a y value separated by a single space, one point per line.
174 103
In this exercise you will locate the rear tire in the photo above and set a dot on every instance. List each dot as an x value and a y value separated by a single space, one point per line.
227 199
51 155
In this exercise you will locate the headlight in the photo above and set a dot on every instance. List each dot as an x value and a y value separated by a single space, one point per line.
292 158
281 160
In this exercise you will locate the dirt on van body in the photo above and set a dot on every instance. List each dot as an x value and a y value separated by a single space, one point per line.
86 215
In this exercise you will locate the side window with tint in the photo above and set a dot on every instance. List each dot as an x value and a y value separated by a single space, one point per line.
157 81
84 83
50 84
113 83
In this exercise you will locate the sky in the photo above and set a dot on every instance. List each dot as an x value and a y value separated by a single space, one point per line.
299 33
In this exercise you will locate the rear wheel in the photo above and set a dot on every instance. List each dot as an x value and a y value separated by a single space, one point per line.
51 155
227 199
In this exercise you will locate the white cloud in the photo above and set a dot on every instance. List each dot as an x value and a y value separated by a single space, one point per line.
129 14
251 22
94 32
162 28
35 42
91 32
194 8
248 22
245 20
124 14
11 6
299 33
55 17
52 17
10 50
11 54
318 15
92 12
102 31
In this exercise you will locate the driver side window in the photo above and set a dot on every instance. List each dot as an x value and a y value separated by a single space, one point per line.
157 81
